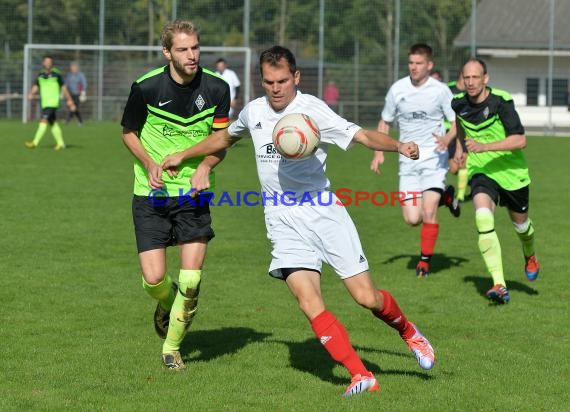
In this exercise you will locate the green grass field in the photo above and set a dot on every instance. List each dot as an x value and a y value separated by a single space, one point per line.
76 326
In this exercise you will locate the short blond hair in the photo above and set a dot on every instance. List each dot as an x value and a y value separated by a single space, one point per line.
184 26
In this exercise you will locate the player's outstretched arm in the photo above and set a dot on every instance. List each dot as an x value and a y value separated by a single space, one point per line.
380 141
216 142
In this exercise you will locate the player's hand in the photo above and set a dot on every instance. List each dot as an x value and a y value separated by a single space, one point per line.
155 176
474 146
170 163
410 150
460 158
71 105
441 142
200 180
377 160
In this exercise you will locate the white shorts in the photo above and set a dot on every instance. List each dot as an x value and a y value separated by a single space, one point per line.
306 236
417 178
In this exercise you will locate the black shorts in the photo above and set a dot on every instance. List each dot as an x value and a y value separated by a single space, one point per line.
453 145
176 222
515 200
49 114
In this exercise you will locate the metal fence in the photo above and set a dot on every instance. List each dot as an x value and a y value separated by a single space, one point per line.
360 45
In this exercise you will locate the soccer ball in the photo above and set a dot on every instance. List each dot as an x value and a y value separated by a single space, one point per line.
296 136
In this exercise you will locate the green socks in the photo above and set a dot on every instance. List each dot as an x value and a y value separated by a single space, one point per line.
41 130
525 231
55 130
489 244
461 184
57 134
183 309
162 292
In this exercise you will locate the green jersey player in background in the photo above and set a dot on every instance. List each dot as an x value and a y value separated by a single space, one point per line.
171 109
50 85
498 172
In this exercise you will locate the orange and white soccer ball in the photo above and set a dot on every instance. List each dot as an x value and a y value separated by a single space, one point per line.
296 136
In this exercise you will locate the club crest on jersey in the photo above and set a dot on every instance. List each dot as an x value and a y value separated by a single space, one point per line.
486 112
200 102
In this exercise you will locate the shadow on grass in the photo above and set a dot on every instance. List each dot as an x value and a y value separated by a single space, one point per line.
482 284
310 356
439 261
205 345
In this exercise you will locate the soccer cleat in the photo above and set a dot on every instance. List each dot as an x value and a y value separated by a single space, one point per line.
455 207
531 268
173 360
422 349
448 199
162 317
30 145
499 294
59 147
422 270
361 383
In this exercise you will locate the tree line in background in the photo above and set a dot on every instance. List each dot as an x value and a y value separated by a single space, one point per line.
356 30
371 23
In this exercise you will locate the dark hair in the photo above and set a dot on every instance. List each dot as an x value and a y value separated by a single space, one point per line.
184 26
275 54
476 60
221 60
421 48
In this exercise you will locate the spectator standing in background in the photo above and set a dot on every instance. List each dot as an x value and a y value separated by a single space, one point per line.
77 85
331 95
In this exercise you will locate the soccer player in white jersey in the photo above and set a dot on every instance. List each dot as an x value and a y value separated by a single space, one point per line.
310 232
420 103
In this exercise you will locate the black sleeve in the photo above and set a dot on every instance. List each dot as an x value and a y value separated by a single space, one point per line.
237 92
510 118
134 115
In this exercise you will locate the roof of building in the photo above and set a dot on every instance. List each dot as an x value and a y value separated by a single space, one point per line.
518 24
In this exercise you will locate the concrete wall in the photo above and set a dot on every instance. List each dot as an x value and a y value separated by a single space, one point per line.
510 74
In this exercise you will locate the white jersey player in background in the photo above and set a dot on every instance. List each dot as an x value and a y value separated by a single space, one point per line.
232 79
308 233
419 103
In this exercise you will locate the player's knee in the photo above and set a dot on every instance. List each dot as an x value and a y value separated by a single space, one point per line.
311 307
484 220
367 298
522 227
189 282
412 220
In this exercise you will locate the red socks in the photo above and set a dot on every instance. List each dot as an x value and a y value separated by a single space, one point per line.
334 338
393 316
428 237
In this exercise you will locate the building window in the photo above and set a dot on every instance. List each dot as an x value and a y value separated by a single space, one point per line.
532 87
559 92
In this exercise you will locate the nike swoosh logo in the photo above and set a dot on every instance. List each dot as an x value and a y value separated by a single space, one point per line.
160 104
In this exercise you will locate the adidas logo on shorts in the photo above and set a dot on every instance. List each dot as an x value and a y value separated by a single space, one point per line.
362 259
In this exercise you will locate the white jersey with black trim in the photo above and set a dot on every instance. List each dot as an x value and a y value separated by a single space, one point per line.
294 178
419 112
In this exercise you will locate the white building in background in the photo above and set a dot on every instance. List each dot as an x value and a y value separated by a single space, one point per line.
512 37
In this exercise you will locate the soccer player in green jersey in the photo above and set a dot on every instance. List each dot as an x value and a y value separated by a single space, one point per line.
171 109
498 172
50 85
